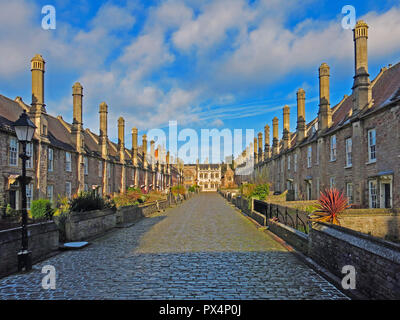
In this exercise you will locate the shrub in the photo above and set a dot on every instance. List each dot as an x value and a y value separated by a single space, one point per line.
87 201
41 208
178 190
260 192
62 206
330 204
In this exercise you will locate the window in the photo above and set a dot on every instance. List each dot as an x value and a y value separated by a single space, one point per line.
282 164
309 156
50 192
317 157
29 193
68 189
349 192
349 146
50 159
86 165
216 175
109 170
332 182
288 162
372 145
295 162
317 186
68 162
295 191
100 168
373 203
13 152
86 187
29 152
333 148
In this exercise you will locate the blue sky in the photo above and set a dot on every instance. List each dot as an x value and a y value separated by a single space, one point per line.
207 64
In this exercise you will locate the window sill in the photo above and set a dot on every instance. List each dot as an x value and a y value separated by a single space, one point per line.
334 160
370 162
348 167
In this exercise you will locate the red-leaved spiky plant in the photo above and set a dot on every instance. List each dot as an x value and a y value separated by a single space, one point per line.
330 204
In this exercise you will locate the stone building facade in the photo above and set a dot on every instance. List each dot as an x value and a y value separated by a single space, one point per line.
207 176
353 146
66 158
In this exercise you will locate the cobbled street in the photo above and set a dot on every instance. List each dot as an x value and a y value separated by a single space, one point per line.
201 249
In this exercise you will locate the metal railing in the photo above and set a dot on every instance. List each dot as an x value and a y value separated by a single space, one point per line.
270 212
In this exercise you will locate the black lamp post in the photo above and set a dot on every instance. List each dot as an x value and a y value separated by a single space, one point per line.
24 128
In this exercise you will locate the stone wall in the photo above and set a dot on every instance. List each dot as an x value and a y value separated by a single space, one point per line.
376 262
43 240
84 225
295 238
381 225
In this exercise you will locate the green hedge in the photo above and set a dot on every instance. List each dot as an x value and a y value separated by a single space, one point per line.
41 208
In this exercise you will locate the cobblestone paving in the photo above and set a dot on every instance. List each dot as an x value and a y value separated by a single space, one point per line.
202 249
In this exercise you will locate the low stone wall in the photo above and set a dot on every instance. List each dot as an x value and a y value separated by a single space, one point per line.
385 225
85 225
295 238
42 240
376 261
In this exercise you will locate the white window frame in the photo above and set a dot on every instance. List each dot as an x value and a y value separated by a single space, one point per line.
68 161
68 189
373 193
295 163
13 148
86 165
332 182
350 192
50 192
100 168
333 148
349 152
29 152
372 145
288 162
50 159
309 156
317 155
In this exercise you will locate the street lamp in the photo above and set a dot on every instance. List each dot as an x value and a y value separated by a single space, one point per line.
24 128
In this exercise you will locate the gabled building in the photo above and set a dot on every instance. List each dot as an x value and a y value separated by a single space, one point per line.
353 145
67 158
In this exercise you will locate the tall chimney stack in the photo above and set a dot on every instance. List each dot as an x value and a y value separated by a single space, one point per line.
37 69
144 146
325 113
134 146
103 129
362 94
77 94
260 147
266 141
275 139
255 150
121 139
301 115
286 127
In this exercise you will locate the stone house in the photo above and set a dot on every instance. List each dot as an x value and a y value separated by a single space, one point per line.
66 158
207 176
353 146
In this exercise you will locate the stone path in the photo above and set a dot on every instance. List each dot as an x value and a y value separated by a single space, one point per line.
202 249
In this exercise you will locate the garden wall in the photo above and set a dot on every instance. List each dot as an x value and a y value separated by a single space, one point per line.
84 225
42 240
376 261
